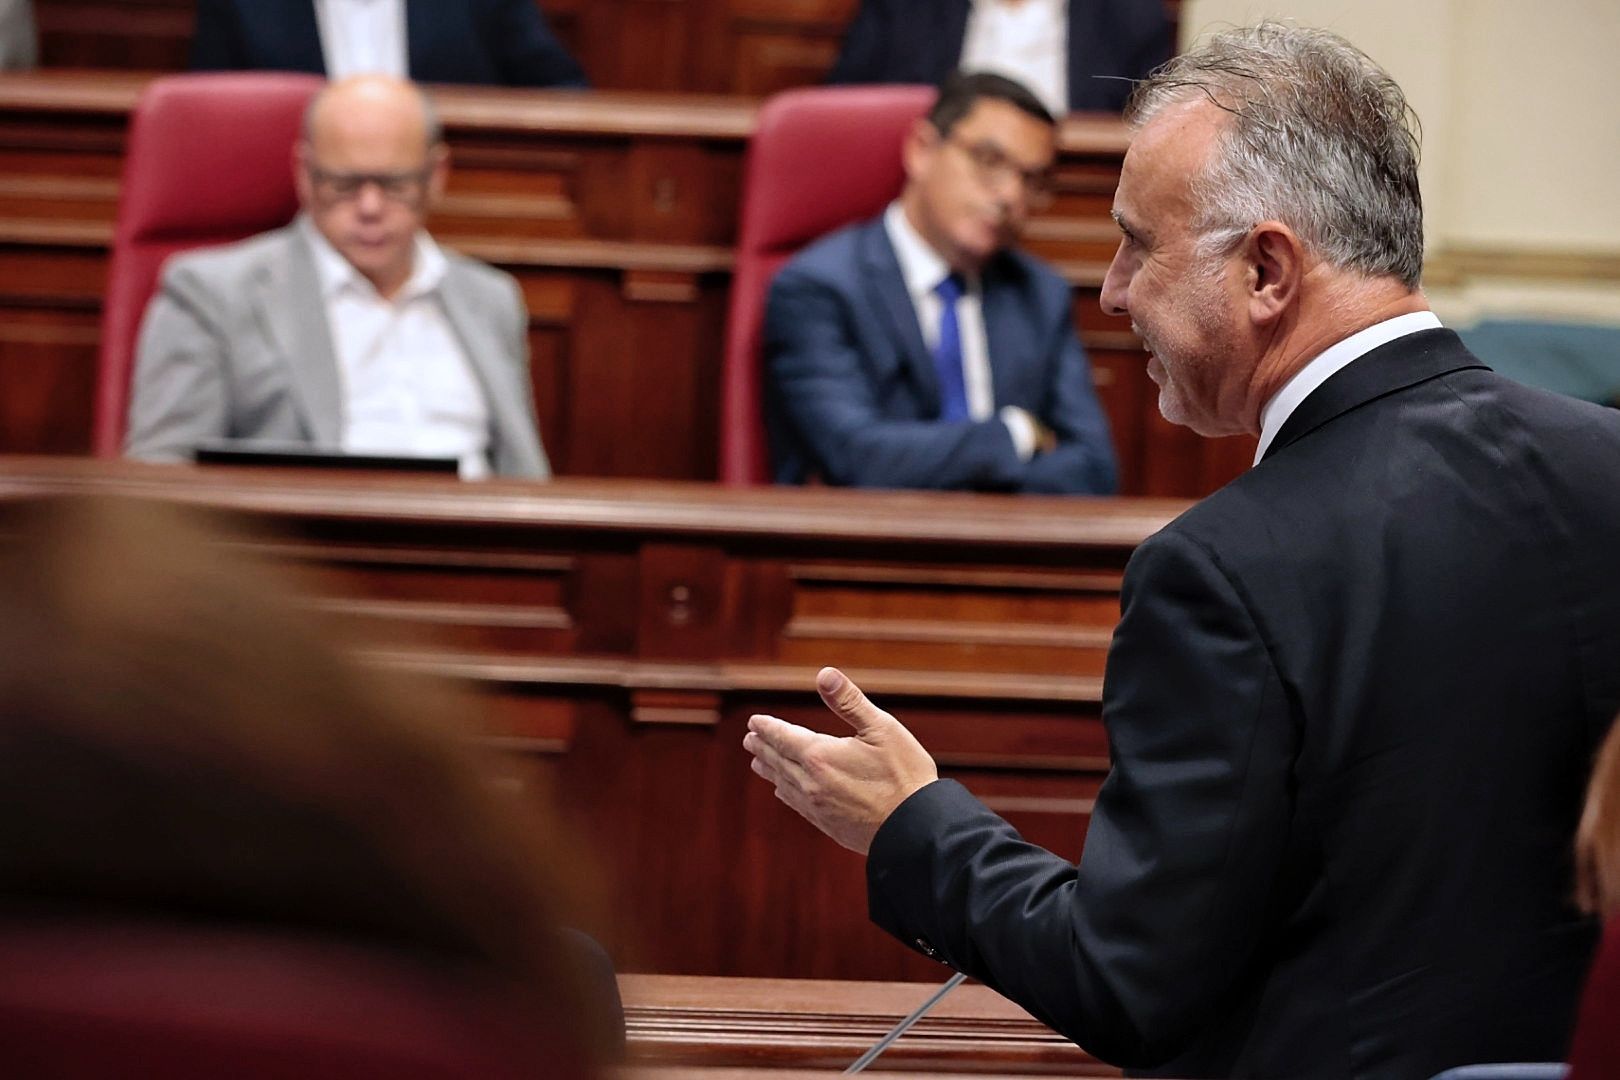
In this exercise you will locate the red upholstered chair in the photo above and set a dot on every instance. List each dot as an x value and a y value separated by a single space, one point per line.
82 1000
208 161
820 158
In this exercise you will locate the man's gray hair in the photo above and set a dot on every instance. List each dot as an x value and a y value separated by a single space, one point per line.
1319 137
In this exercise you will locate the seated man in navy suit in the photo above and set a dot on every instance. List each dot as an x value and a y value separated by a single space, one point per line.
1074 54
920 349
493 42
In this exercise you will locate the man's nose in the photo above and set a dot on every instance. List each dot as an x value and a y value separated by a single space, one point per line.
369 199
1116 288
1012 190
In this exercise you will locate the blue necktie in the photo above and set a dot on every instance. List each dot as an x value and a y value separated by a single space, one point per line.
948 352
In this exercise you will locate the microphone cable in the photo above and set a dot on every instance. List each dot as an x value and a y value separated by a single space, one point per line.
905 1025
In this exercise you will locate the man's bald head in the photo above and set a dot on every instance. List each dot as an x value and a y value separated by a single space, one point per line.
370 165
374 99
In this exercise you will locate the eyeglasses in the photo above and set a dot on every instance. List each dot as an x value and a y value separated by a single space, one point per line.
408 188
994 168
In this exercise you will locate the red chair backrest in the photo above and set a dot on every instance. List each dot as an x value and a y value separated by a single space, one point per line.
88 999
819 159
208 161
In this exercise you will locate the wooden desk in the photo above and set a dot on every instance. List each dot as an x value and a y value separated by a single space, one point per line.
685 1027
623 632
616 211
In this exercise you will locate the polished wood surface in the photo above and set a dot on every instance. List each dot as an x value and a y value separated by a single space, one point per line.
621 633
616 212
681 1026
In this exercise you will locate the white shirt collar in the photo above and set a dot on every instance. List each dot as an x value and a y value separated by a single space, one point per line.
1327 363
920 265
337 274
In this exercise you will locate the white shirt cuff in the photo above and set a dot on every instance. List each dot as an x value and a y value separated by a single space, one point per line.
1021 426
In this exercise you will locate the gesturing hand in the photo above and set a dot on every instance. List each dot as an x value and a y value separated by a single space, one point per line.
844 787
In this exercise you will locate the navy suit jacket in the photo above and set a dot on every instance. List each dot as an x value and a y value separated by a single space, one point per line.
852 396
920 41
490 42
1351 701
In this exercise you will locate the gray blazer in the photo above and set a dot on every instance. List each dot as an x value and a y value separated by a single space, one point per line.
235 345
19 44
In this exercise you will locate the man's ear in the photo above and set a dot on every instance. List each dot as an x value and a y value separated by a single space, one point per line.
1274 265
300 171
439 172
922 142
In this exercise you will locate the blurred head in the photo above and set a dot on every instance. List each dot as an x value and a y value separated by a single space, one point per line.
976 166
1271 169
177 740
370 165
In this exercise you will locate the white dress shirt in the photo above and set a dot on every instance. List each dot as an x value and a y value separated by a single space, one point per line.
407 387
923 270
1025 41
362 37
1327 363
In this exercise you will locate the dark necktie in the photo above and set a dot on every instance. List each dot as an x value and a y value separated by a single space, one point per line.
948 352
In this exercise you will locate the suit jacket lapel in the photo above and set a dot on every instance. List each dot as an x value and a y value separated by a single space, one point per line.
487 357
1394 366
950 38
880 270
300 35
1078 55
419 31
293 314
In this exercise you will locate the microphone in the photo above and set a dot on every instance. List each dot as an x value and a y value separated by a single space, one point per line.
905 1025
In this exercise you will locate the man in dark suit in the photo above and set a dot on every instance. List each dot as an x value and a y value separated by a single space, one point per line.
1352 696
920 349
1106 44
490 42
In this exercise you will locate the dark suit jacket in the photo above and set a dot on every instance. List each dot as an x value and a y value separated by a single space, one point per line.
920 41
852 396
494 42
1351 703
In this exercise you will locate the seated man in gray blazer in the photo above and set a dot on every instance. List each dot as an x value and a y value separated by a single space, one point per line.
349 329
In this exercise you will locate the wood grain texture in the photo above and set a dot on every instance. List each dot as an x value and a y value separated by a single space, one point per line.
680 1027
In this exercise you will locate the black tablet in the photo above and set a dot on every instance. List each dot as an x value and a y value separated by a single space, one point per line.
299 456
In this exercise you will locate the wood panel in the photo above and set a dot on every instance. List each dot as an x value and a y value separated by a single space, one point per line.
622 633
679 1025
617 214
